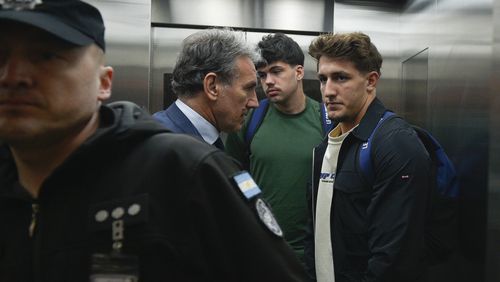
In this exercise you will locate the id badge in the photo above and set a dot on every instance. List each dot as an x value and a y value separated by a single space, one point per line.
114 267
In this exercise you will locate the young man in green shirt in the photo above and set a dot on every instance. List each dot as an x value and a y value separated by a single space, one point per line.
278 155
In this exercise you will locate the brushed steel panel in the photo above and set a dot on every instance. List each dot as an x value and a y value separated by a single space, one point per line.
127 47
311 15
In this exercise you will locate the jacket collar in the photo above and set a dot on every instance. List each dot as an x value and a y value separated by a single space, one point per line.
181 121
373 114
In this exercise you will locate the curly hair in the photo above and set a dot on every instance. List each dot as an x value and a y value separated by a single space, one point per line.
279 47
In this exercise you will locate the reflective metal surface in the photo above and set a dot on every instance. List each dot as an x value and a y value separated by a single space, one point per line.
127 47
310 15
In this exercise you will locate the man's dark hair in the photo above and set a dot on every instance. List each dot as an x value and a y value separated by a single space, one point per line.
279 47
355 47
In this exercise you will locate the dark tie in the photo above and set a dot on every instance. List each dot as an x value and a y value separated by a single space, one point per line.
219 144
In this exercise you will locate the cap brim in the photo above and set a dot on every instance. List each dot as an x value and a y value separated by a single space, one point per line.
49 24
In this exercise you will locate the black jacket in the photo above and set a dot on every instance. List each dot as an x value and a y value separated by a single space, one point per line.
377 228
185 219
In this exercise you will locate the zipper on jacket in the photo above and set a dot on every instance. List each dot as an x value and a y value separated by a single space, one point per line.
34 215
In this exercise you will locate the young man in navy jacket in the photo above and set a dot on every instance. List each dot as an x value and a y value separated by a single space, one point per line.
364 230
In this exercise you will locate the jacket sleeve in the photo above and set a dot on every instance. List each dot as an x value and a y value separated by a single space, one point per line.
238 239
397 210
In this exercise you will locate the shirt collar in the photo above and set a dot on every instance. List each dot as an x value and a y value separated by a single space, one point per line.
373 114
205 128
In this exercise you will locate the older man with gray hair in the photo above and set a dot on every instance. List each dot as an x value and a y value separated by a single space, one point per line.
215 80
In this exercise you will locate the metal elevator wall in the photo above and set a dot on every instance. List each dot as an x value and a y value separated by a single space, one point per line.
128 38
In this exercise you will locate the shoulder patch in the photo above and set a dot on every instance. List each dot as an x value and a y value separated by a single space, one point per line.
267 217
247 185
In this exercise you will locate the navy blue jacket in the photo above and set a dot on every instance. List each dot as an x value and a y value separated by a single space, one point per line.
377 229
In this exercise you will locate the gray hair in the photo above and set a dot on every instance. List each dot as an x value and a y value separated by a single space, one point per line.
211 50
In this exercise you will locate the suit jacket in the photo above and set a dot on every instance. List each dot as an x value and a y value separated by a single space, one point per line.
175 120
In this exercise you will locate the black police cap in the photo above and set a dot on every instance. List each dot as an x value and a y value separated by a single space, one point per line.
73 21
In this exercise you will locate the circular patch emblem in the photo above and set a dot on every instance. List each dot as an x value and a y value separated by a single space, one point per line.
267 217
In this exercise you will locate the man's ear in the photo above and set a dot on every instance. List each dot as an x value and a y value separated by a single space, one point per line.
105 83
372 80
210 86
299 72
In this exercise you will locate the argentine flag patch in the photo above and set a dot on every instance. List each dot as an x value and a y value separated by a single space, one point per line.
247 185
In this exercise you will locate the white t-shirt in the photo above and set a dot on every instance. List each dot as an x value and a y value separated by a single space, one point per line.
322 234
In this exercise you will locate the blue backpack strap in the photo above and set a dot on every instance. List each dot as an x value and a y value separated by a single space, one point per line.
256 119
325 121
365 162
